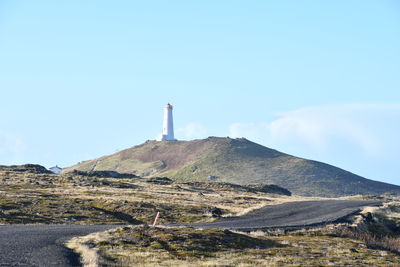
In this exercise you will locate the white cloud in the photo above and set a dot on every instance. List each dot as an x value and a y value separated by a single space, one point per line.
252 131
191 130
12 148
372 128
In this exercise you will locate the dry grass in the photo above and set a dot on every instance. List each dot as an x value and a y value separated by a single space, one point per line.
237 161
46 198
377 227
390 243
89 255
131 246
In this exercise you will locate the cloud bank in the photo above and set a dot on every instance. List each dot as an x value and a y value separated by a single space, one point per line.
367 126
351 135
191 130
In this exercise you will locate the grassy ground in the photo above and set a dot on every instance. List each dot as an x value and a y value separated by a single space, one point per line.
237 161
46 198
160 246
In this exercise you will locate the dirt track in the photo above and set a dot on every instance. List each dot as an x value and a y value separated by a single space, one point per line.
292 215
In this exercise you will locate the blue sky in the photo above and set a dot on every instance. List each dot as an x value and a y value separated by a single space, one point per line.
317 79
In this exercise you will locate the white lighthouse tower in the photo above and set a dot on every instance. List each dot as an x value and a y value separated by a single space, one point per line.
168 124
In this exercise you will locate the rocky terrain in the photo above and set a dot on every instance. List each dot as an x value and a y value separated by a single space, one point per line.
171 246
36 196
30 195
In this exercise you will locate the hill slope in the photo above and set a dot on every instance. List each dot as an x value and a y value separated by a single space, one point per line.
237 161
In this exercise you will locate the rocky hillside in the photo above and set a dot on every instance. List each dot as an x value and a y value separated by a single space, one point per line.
31 168
237 161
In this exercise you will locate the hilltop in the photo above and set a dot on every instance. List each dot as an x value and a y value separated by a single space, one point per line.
238 161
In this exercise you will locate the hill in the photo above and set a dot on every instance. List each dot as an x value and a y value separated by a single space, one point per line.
238 161
32 168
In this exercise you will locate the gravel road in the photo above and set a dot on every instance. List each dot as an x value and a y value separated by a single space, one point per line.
292 215
41 245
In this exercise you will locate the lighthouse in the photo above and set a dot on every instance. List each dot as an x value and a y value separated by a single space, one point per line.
168 124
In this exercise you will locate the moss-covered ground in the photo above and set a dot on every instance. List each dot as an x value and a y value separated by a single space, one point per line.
46 198
77 199
162 246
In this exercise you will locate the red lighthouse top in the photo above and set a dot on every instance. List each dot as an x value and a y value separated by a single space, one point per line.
169 106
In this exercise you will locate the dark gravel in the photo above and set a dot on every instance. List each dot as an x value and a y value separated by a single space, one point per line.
41 245
292 215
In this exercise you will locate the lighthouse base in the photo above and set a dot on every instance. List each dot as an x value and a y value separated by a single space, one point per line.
167 138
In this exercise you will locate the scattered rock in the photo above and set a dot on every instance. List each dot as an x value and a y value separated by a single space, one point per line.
108 174
368 217
2 214
194 168
271 188
105 182
212 177
215 212
160 180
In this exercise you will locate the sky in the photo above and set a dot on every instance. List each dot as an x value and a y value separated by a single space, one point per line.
315 79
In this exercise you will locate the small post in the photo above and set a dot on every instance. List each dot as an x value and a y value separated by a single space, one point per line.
156 219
